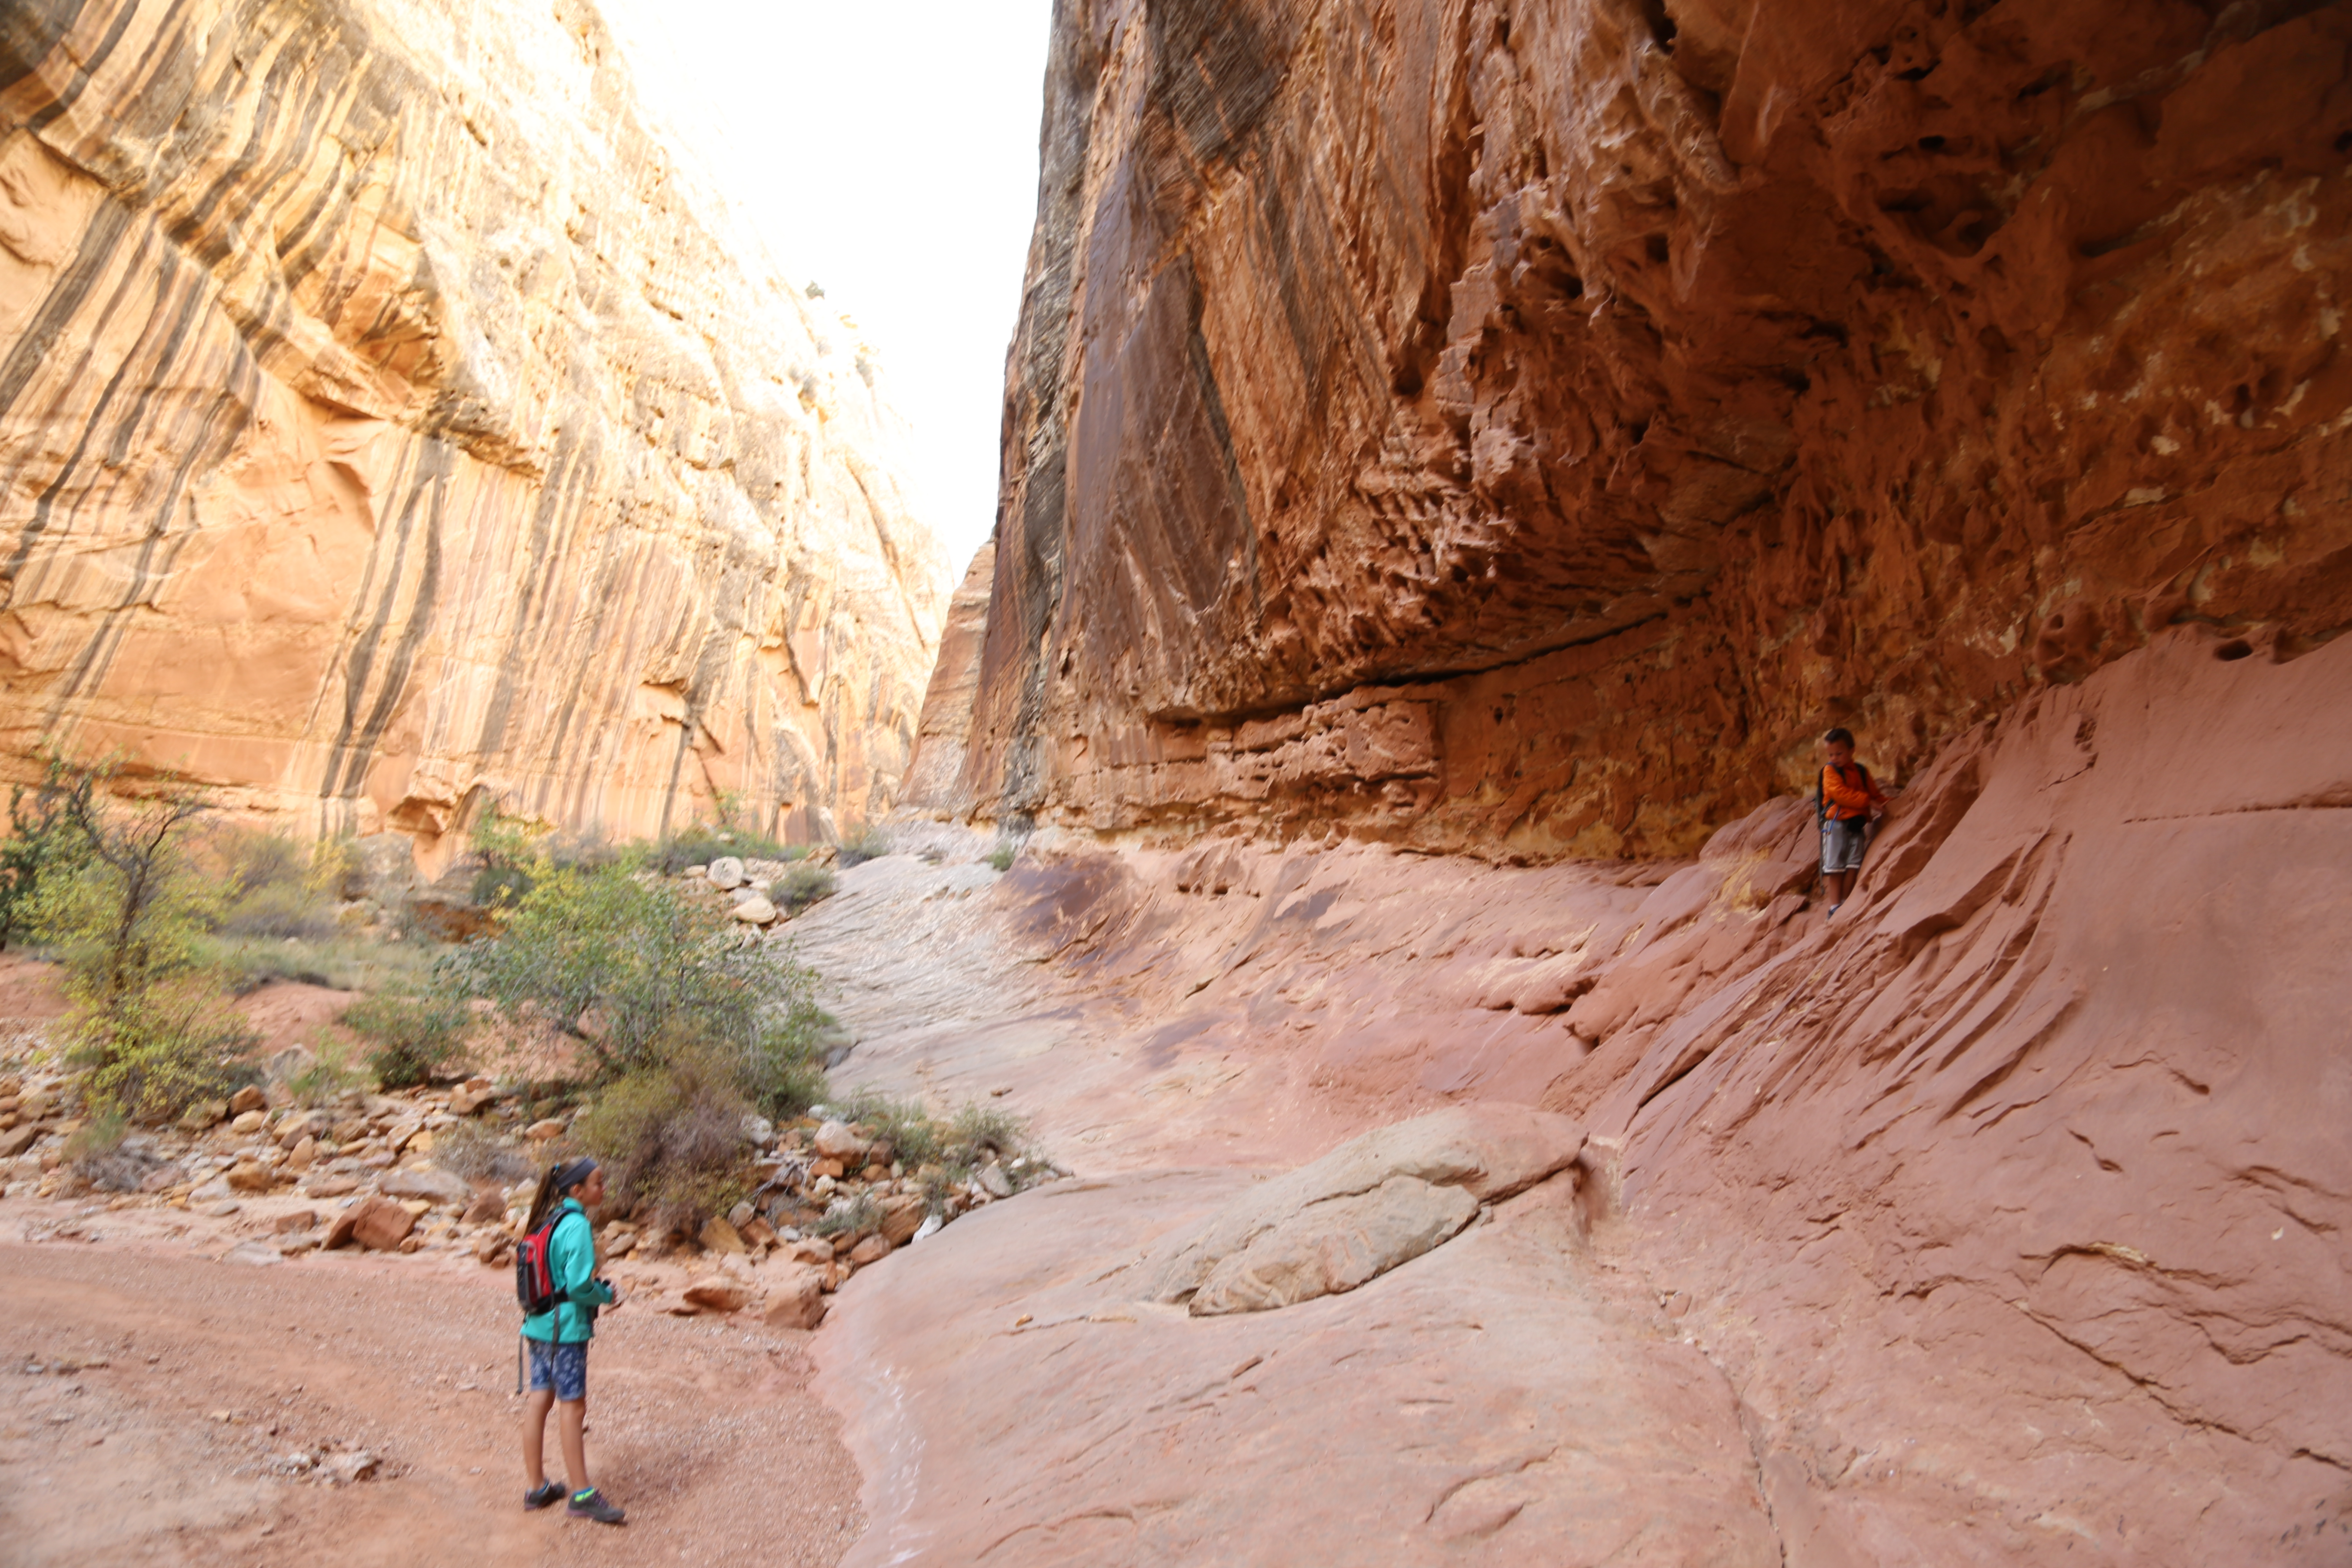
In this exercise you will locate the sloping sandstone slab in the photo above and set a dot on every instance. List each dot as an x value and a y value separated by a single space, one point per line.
1010 1400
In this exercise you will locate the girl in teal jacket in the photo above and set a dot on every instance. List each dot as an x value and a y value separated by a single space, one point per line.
558 1340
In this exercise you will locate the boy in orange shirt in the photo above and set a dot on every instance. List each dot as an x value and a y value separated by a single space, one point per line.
1846 800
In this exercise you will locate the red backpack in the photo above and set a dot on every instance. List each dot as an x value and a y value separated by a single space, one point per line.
535 1286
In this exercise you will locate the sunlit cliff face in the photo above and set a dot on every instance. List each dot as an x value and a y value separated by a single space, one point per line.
1524 427
386 424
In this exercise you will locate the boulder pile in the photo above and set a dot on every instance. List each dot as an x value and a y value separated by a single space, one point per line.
373 1171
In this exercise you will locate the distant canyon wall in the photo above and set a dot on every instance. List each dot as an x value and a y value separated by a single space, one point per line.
388 425
1523 427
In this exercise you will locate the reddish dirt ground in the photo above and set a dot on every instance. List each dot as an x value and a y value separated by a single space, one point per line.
706 1432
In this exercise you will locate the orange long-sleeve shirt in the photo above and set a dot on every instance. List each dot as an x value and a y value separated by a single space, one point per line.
1850 791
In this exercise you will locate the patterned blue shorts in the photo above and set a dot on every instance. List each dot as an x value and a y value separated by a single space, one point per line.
563 1368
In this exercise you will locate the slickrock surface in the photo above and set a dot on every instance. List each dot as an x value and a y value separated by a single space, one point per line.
1523 428
2007 1207
385 416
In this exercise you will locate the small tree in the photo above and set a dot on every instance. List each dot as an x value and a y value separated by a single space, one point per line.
149 1027
610 955
44 839
136 912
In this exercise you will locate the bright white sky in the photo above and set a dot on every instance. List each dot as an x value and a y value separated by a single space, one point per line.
890 153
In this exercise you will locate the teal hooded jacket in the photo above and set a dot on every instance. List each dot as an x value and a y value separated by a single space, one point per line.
572 1260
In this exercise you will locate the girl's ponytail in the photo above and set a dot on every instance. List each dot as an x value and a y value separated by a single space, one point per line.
543 1199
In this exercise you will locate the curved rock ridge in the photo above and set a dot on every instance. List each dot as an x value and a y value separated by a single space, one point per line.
388 421
1367 1205
1522 428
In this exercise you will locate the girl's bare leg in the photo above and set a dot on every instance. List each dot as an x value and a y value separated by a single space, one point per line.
534 1434
572 1430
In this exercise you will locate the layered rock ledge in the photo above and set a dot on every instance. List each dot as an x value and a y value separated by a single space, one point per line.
1522 428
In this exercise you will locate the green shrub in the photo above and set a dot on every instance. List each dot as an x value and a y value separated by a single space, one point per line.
45 838
865 842
162 1048
849 1216
700 845
276 888
670 1136
415 1032
329 1075
783 1072
914 1137
510 861
801 885
638 952
977 1130
1001 857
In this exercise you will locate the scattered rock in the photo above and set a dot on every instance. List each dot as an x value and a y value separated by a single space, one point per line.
487 1207
758 1232
342 1469
472 1096
434 1186
252 1252
902 1216
835 1140
538 1132
994 1182
302 1155
247 1176
299 1219
252 1096
726 872
756 910
248 1123
795 1298
873 1249
377 1224
717 1296
719 1236
17 1140
329 1186
203 1114
218 1209
827 1168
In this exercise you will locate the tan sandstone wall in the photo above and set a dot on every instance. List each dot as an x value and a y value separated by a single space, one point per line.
386 423
1522 428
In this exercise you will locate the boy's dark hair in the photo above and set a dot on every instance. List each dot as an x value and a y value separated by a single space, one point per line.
1838 737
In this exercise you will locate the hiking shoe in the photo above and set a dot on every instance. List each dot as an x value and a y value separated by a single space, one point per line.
546 1494
591 1504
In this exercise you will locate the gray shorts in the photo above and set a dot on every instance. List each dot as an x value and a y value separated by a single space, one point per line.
1843 844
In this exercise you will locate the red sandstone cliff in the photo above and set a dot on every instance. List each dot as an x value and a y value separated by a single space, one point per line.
1522 428
386 421
1519 430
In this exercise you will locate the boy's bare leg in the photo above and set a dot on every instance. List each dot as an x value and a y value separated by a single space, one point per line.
534 1434
572 1430
1837 881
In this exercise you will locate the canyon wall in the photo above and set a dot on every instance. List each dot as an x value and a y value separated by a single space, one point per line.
389 424
1522 428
